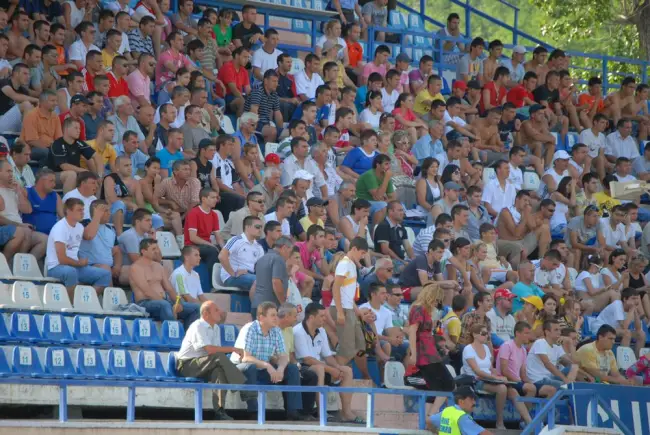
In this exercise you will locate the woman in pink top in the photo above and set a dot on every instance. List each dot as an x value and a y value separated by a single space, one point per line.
405 118
171 60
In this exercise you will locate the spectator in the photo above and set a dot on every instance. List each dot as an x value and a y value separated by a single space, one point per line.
246 132
543 357
171 60
47 206
192 131
426 96
125 121
286 90
354 224
521 95
102 147
63 244
503 323
621 314
308 80
621 143
423 269
129 148
390 236
202 356
478 214
141 38
299 159
185 280
180 191
78 109
247 33
361 159
230 190
201 166
482 305
93 69
284 208
582 235
130 239
639 369
264 102
183 21
254 207
265 58
536 133
153 291
15 99
87 183
139 81
179 100
469 65
515 65
450 195
240 254
41 126
271 276
495 92
598 360
78 51
202 228
171 152
272 232
234 75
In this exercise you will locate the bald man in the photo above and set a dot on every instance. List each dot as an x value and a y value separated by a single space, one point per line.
202 356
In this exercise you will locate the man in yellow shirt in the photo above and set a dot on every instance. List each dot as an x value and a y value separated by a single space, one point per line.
103 147
451 324
316 209
113 43
598 360
604 199
426 96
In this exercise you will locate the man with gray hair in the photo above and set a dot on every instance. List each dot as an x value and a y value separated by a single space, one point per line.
381 276
123 120
300 159
272 278
270 187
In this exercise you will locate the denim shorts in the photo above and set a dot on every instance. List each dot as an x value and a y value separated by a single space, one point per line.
7 232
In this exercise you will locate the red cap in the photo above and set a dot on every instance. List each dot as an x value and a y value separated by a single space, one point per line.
272 158
460 84
504 293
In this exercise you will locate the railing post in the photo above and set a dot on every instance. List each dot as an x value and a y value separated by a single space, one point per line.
605 74
198 405
370 411
468 20
550 421
63 403
423 8
261 407
515 33
593 412
422 412
130 405
322 409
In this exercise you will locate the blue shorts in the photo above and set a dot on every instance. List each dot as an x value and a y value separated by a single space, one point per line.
7 232
157 221
375 206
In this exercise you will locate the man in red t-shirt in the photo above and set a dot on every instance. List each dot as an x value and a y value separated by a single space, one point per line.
522 95
94 66
116 78
494 93
235 76
78 108
201 223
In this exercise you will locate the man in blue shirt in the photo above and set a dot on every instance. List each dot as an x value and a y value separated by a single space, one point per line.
457 419
525 287
171 152
429 145
129 148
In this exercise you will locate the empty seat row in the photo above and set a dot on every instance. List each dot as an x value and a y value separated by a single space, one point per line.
87 363
23 327
25 267
25 295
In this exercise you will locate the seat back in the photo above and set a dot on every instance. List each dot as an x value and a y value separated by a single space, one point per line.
24 328
55 297
5 272
394 374
55 328
217 283
396 20
222 221
89 363
145 332
171 364
451 370
113 298
5 294
172 333
4 331
25 295
120 363
85 330
625 357
415 22
25 361
644 351
270 148
410 235
5 370
150 365
115 331
168 246
26 266
297 66
531 181
226 125
488 175
86 300
58 362
572 138
228 335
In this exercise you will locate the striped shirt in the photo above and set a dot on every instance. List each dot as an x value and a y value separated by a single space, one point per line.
421 243
267 104
243 254
260 346
140 43
209 59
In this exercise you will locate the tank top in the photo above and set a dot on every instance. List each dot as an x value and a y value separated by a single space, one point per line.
343 211
355 226
203 172
121 190
43 215
636 282
76 14
242 140
432 195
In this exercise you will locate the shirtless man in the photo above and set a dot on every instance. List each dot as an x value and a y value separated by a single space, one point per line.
123 193
637 110
535 132
615 101
17 40
521 231
492 148
538 64
154 292
491 63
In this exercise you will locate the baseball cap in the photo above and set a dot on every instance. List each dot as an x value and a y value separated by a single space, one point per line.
204 143
303 175
519 49
474 84
460 84
403 57
331 44
272 158
4 149
536 301
504 293
313 201
79 99
450 185
535 108
464 392
561 155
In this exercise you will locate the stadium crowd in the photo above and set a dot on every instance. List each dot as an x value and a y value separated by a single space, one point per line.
122 111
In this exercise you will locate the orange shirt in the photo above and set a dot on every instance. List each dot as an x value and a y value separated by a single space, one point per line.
589 99
355 53
60 59
36 126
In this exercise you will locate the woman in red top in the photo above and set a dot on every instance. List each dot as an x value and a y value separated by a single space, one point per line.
494 93
405 118
423 321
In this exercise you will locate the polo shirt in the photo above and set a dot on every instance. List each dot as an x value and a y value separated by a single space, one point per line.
117 88
618 147
82 124
203 223
62 152
286 86
186 283
244 254
369 181
309 259
36 126
108 154
497 197
393 234
306 345
229 74
199 335
267 104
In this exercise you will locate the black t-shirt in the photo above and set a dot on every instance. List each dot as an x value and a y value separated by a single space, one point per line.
285 87
264 245
7 103
243 34
409 276
395 237
62 152
121 190
542 93
203 173
505 128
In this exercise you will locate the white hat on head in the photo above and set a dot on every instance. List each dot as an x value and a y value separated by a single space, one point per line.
561 155
301 174
519 49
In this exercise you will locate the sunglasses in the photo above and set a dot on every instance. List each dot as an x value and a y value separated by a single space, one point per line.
257 227
484 333
398 294
259 201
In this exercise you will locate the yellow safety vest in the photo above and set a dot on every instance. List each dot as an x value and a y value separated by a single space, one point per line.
449 420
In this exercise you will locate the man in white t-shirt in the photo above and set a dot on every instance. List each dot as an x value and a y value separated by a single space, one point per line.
620 315
389 93
596 142
308 80
543 357
266 57
62 258
387 334
613 230
284 208
621 143
499 193
546 276
185 280
85 191
453 122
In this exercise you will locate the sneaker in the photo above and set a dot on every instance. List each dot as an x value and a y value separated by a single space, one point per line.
220 414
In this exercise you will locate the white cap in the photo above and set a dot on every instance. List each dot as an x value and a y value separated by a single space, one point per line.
561 155
301 174
519 49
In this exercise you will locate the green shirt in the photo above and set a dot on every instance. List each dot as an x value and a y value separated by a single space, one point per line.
369 181
223 39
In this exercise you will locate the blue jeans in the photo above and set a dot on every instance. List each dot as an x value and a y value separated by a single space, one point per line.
255 376
71 276
553 381
163 310
644 215
375 206
157 221
244 282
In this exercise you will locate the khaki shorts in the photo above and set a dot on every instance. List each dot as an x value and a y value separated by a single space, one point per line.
511 248
351 340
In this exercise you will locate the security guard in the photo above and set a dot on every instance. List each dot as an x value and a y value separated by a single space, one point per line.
457 419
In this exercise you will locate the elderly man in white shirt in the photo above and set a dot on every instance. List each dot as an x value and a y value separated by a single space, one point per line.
300 160
621 143
202 356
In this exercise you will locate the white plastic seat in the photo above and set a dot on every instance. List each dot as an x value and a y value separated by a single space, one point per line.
371 243
26 268
55 298
451 370
5 272
394 376
25 295
270 148
222 221
5 295
114 297
167 243
226 125
410 235
86 300
625 357
488 175
217 284
297 65
531 181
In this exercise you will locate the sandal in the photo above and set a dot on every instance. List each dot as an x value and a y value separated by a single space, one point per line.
356 420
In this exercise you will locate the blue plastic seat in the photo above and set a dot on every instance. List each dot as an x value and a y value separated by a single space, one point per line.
5 370
120 364
58 363
300 26
150 366
172 334
145 333
55 329
25 362
396 20
116 333
85 330
415 22
228 335
89 363
23 328
171 369
4 332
